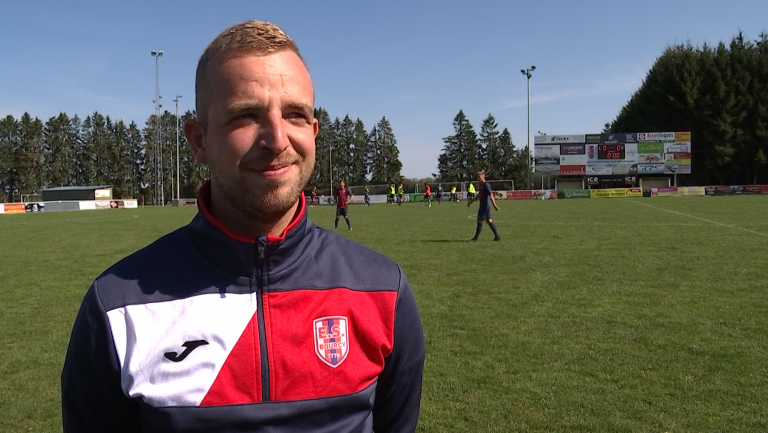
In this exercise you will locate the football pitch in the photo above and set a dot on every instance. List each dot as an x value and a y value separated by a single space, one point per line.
589 315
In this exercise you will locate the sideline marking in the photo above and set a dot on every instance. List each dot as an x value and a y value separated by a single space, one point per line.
556 223
67 220
700 219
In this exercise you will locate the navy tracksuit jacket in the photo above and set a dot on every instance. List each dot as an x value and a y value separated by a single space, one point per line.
206 330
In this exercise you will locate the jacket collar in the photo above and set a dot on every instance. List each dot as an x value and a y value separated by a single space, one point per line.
236 252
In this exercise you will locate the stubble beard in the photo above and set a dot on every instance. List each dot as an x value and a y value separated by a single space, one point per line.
266 200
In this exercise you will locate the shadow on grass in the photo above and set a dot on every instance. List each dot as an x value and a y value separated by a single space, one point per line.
444 240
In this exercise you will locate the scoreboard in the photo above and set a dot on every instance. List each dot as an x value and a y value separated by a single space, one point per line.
611 151
623 155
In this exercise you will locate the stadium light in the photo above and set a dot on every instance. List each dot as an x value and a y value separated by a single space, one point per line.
178 194
159 152
527 73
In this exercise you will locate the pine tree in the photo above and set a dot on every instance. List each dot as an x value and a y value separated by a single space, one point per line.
718 93
28 155
135 161
75 145
56 151
491 157
513 165
323 148
9 136
385 156
193 172
338 154
152 161
361 154
460 163
347 150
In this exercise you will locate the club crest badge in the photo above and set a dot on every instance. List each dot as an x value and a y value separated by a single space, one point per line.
332 339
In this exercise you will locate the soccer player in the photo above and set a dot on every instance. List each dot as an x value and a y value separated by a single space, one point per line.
342 197
439 195
471 192
485 197
427 194
400 194
453 195
392 193
367 193
313 195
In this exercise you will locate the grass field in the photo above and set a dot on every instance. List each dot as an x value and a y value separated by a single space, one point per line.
591 315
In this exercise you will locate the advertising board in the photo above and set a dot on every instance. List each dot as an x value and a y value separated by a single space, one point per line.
573 170
664 192
753 189
690 191
656 136
650 168
615 192
10 208
614 153
544 194
592 138
599 169
558 139
619 137
519 195
624 168
576 193
650 147
572 149
573 160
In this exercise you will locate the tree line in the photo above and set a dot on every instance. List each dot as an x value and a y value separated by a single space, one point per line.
345 150
141 162
465 153
720 94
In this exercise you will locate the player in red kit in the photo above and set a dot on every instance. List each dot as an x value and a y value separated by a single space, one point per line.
427 194
342 197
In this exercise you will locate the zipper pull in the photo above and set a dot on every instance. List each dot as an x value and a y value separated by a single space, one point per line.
261 247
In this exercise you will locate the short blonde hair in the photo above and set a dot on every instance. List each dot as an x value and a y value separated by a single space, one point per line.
258 38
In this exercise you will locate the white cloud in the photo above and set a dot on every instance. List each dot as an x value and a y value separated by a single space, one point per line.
626 83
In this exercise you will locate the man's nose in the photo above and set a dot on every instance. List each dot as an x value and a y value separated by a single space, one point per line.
272 132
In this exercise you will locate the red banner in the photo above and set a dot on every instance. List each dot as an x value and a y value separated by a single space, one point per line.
573 170
519 195
15 208
764 189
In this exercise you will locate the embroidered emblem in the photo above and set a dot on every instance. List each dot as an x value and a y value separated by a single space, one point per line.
332 339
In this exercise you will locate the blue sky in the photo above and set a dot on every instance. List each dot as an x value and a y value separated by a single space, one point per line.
415 62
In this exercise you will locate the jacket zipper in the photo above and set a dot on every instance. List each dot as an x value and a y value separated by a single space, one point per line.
261 268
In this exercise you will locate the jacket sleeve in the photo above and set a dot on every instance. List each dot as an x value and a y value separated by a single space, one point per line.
398 389
92 399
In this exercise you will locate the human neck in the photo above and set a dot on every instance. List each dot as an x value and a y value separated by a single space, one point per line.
239 222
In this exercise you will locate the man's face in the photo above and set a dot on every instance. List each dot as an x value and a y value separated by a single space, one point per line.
341 184
481 177
259 141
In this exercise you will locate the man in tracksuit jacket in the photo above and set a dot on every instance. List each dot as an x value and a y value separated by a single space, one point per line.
250 318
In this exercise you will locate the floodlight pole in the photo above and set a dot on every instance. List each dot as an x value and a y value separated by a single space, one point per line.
527 73
159 149
330 168
178 196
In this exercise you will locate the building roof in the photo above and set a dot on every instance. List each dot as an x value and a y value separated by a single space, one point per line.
77 188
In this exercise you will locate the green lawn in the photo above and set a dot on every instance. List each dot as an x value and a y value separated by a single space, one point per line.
590 315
